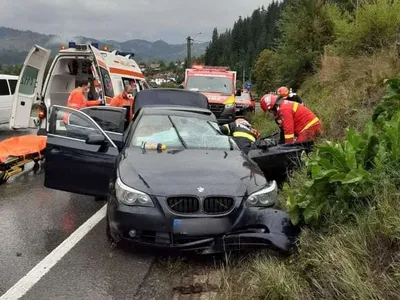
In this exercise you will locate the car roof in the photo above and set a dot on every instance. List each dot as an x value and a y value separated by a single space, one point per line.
179 110
169 97
6 76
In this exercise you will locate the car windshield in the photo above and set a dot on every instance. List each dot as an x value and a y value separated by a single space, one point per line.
210 84
180 131
243 97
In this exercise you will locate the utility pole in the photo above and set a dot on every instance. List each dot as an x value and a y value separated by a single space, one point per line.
189 51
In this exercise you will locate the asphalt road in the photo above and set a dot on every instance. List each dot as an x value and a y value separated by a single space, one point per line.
34 221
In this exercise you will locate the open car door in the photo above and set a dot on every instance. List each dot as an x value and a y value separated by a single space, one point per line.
111 119
80 156
277 160
27 95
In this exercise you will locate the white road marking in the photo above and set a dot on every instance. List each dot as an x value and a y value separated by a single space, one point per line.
34 275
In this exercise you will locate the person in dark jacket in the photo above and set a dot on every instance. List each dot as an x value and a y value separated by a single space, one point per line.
242 132
284 94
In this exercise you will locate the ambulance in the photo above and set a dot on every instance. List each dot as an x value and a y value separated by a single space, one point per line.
110 70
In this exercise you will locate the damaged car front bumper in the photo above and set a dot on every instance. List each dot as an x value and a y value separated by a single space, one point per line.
248 227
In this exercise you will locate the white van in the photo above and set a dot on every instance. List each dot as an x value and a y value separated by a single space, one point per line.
7 90
71 65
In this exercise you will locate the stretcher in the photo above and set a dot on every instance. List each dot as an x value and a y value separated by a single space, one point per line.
18 151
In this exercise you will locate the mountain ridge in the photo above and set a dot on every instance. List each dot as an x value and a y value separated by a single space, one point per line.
15 44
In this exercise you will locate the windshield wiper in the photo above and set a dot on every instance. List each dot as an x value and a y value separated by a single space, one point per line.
177 132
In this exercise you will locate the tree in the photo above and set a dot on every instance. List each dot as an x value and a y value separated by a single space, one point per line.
265 72
301 42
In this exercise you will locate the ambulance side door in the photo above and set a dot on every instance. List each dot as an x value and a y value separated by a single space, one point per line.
27 95
104 75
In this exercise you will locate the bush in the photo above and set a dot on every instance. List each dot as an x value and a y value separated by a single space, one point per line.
341 175
375 25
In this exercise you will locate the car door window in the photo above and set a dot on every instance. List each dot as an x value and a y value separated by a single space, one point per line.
72 124
13 85
111 120
4 91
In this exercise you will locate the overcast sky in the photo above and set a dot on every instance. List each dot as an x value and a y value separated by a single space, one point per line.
169 20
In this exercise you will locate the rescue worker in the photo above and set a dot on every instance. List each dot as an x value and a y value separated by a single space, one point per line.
77 99
242 132
125 99
284 94
299 123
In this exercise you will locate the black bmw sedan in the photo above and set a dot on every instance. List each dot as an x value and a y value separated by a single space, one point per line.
172 179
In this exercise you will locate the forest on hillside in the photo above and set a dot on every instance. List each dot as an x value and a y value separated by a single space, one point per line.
343 59
297 33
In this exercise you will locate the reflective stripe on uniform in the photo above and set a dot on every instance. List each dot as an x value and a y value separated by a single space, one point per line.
295 106
313 122
244 135
229 130
289 136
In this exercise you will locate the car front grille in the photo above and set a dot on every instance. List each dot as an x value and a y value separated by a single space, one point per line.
185 205
217 109
217 205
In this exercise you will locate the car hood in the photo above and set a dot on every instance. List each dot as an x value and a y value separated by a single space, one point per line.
190 172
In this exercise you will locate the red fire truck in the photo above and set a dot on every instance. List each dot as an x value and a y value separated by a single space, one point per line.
219 85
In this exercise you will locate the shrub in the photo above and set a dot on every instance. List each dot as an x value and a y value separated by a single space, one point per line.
341 174
375 25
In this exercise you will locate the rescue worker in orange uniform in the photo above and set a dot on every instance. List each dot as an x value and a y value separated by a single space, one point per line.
283 92
77 99
299 123
125 99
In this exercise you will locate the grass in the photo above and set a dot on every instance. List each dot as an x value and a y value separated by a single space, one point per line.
359 259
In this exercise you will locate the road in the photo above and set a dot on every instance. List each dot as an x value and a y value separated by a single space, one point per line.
34 221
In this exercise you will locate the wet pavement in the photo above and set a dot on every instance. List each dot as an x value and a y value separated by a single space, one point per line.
35 220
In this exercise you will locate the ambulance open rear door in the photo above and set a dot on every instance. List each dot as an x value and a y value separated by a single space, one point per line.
27 97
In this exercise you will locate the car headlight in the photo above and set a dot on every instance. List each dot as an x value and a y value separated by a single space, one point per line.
230 105
130 196
264 197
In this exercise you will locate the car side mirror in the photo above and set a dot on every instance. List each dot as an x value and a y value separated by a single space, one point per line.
238 93
96 139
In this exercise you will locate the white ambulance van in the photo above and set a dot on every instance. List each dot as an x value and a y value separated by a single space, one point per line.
7 90
32 98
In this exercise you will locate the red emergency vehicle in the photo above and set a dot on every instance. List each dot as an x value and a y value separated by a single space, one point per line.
218 84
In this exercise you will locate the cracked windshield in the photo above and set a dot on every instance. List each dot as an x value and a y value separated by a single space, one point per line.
228 150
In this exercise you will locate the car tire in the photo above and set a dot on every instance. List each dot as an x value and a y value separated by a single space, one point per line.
113 243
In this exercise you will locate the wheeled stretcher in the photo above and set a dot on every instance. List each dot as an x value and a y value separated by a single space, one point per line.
18 151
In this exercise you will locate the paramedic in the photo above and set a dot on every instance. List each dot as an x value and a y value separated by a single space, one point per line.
299 124
77 98
125 99
242 133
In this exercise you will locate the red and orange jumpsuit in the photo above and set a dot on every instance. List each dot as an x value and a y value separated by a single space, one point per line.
77 100
120 101
298 122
